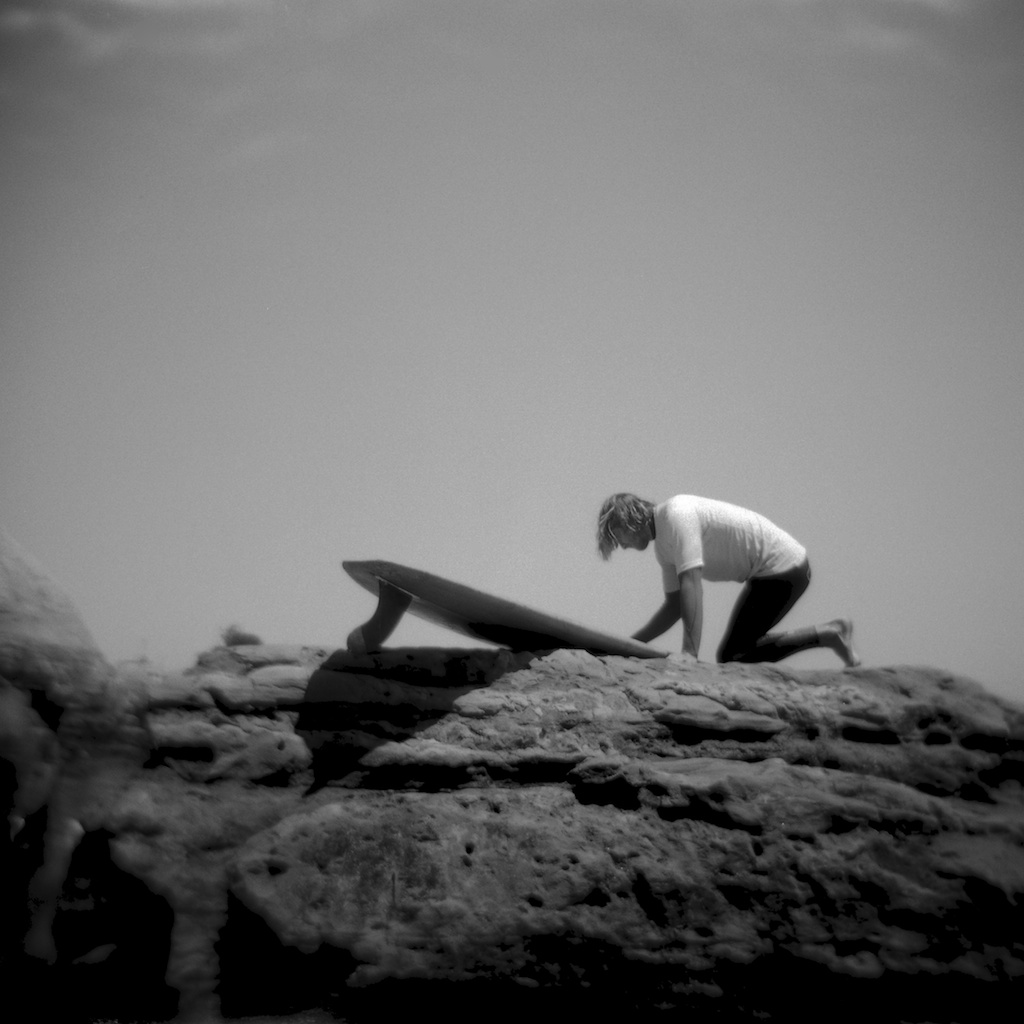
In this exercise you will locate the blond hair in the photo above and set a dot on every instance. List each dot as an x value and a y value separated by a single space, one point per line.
621 510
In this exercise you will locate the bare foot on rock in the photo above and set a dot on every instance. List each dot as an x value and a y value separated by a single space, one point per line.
838 635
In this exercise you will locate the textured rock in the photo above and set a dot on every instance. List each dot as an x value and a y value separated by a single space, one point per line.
32 606
916 726
686 817
511 833
244 658
31 750
45 645
67 734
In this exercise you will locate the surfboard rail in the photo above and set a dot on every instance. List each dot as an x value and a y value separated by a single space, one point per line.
473 613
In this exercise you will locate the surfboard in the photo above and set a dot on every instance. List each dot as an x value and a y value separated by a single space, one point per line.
472 613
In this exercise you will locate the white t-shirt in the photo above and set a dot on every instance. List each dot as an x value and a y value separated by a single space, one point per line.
729 542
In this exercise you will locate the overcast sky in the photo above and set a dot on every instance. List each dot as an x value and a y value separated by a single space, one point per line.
286 283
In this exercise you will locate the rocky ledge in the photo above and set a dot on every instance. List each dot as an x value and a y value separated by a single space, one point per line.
278 830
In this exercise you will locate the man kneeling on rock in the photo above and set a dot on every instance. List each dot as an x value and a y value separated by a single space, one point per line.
700 538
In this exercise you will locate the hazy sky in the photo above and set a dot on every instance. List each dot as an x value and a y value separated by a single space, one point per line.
286 283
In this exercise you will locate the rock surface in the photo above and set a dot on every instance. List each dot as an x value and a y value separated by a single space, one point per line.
45 646
277 831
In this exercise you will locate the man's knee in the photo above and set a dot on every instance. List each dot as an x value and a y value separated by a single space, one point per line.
739 646
729 652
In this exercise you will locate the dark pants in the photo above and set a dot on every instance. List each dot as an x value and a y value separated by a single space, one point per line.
763 603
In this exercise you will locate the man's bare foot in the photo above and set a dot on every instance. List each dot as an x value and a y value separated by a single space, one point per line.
838 635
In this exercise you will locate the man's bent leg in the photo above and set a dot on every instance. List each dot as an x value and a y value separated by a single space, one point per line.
763 603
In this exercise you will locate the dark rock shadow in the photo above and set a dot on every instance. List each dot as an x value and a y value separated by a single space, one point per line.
112 936
259 976
355 703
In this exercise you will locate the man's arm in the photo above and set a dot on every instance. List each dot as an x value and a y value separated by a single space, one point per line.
664 618
691 608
